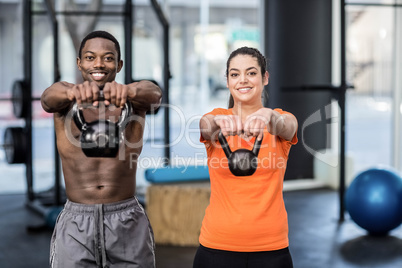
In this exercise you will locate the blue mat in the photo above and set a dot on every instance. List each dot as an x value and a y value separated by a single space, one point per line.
177 174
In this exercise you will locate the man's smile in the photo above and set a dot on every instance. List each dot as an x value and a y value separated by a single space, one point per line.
98 75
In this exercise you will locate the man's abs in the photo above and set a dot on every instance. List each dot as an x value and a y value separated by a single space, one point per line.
99 181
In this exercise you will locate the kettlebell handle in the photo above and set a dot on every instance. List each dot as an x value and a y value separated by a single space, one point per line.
101 95
228 151
78 114
81 123
257 145
78 117
225 145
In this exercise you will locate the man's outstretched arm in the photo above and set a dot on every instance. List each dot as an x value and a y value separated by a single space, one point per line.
56 97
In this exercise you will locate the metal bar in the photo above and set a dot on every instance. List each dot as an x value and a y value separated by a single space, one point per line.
27 52
128 26
374 4
159 12
55 29
7 146
56 76
13 99
156 140
341 101
81 13
166 77
397 96
315 88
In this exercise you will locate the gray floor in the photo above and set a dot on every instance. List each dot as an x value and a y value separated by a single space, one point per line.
316 238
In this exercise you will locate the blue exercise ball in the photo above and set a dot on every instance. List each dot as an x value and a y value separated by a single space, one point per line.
374 200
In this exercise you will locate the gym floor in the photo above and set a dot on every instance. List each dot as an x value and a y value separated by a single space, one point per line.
316 237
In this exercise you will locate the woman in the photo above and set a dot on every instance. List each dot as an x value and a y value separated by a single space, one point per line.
245 224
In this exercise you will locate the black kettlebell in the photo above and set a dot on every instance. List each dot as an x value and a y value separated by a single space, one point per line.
242 162
100 138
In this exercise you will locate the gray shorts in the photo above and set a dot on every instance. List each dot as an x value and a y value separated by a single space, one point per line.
103 235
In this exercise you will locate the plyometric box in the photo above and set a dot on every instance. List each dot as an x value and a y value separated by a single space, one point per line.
176 211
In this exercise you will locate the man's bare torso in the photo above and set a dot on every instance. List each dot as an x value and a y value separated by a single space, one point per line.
93 180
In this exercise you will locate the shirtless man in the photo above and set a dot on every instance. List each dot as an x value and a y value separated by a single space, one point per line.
102 223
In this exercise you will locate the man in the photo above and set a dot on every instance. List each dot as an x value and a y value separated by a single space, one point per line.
102 223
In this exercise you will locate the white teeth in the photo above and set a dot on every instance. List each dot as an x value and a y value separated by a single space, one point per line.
98 74
244 89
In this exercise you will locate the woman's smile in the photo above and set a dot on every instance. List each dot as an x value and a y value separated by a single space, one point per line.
244 90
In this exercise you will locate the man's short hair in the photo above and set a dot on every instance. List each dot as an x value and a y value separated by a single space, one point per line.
100 34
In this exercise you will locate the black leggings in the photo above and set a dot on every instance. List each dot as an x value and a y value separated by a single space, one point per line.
214 258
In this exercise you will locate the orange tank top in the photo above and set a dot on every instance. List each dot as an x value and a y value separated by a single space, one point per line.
247 214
